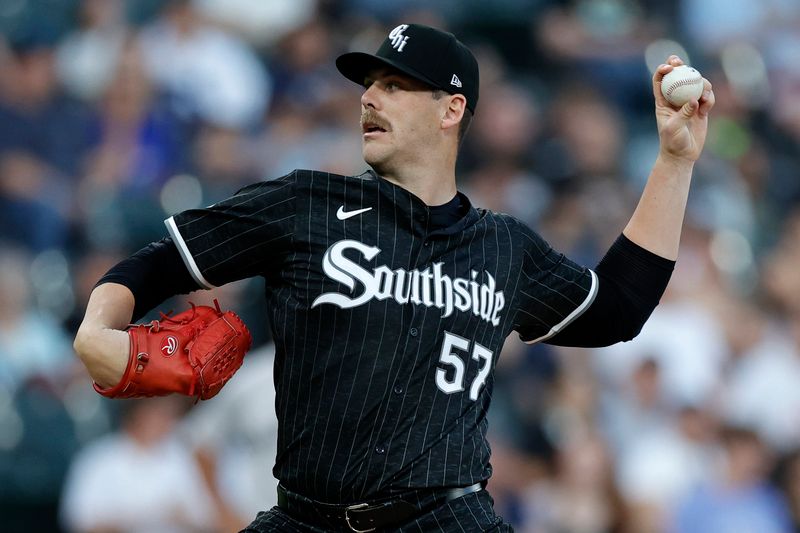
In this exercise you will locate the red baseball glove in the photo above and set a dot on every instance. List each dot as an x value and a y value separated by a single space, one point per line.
193 353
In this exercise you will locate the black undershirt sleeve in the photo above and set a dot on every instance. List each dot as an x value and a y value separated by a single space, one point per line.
631 283
153 274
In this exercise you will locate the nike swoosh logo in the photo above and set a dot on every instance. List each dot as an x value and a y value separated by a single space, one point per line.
341 214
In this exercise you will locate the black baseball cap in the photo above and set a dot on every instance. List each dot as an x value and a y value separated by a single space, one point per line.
432 56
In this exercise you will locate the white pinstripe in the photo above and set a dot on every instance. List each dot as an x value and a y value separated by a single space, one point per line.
431 438
574 314
186 254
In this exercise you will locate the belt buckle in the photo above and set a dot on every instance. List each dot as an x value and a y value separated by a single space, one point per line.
347 517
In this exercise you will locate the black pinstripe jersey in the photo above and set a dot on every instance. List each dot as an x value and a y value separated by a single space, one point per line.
386 332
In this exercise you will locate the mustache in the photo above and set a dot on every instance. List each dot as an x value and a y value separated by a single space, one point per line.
369 116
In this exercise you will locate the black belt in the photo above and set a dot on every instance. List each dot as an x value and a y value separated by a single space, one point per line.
363 517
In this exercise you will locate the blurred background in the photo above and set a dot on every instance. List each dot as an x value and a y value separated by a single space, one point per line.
115 114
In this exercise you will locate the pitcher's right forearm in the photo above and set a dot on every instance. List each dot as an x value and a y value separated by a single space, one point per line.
101 342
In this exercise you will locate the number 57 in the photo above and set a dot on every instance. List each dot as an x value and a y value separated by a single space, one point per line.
447 357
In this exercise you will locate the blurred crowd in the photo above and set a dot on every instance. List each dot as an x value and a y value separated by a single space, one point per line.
115 114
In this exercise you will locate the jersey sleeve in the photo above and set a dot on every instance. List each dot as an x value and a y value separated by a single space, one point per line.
245 235
553 290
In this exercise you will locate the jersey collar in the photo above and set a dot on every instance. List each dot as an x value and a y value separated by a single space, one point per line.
419 213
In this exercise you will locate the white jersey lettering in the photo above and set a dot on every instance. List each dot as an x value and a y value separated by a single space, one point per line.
428 287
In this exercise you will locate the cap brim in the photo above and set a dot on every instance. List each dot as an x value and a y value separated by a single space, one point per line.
355 66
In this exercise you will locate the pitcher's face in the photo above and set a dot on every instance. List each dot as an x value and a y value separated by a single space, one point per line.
400 119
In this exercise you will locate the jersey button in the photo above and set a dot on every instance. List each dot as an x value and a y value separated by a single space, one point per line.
380 450
427 243
398 389
413 332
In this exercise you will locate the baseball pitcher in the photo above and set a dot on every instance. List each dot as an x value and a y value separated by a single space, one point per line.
390 296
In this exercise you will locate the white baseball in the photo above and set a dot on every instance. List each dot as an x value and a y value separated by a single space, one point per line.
682 84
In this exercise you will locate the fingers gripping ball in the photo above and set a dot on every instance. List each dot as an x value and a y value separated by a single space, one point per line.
193 353
682 84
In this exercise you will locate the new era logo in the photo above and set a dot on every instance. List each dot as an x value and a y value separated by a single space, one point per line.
455 81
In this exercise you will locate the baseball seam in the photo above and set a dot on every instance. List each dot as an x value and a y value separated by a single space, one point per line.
680 83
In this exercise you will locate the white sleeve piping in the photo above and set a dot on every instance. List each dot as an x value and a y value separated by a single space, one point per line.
574 314
186 255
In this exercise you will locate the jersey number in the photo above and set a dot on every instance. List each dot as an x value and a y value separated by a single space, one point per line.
447 357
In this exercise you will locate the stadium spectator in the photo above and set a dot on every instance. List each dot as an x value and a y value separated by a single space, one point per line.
144 458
